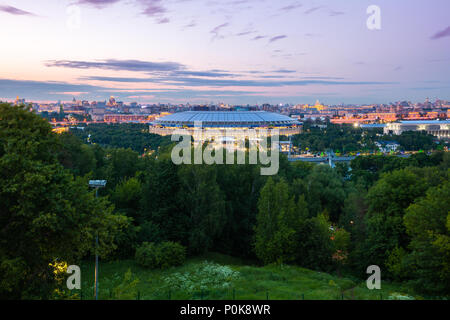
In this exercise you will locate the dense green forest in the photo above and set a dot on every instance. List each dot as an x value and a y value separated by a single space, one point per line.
380 210
122 135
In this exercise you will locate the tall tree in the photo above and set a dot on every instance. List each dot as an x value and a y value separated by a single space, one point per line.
428 224
205 205
122 165
269 206
315 248
163 215
325 191
278 222
387 201
45 213
241 185
76 156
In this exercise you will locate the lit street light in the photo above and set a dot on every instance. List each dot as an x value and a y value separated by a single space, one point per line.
96 184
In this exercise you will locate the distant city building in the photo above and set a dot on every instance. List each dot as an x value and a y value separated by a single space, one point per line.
439 129
116 118
111 102
18 101
97 114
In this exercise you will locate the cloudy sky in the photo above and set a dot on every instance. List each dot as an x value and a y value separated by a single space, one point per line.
232 51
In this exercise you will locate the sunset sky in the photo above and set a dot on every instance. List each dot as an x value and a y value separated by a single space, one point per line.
237 51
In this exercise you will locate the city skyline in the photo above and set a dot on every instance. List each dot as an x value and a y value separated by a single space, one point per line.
237 52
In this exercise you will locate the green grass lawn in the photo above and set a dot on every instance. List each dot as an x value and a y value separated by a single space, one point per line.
225 278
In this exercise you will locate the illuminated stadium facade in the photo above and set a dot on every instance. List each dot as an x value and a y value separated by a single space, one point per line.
226 120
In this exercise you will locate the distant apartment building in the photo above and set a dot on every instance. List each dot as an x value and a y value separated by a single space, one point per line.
117 118
50 108
74 111
382 116
97 114
365 118
432 115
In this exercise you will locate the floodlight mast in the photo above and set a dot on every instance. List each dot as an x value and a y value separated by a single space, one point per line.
96 184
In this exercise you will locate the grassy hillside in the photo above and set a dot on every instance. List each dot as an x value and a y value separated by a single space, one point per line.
219 277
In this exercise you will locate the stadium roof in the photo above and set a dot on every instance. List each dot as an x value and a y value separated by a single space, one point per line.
226 118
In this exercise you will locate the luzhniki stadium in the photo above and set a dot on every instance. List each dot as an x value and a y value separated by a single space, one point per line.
226 120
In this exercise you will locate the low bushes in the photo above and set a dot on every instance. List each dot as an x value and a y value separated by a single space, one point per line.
160 255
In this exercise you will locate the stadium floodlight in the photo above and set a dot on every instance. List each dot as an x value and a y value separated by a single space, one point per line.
97 183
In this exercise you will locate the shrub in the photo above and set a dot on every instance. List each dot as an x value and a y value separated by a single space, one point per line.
147 255
162 255
173 254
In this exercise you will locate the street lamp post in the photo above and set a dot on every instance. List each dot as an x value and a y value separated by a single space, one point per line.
96 184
